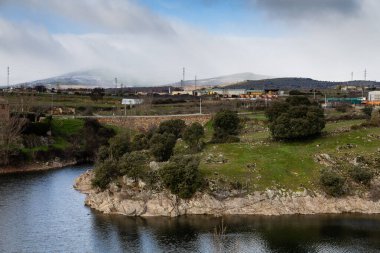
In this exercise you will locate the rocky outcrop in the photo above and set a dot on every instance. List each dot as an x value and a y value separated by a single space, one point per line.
37 166
132 199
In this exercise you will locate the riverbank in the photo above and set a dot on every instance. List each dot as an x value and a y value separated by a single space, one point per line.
37 166
131 199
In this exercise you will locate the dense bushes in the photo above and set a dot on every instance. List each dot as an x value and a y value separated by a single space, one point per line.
296 118
333 183
361 175
226 126
162 145
181 176
134 164
175 127
105 172
192 136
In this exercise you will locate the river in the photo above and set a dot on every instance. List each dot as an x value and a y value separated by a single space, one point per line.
41 212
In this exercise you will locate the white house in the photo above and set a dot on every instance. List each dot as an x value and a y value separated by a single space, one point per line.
374 95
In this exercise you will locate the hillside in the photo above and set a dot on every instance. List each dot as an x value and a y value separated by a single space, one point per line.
296 83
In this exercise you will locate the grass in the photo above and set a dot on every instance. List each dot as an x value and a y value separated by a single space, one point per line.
66 127
261 163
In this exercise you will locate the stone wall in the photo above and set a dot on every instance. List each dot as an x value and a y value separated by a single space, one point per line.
146 122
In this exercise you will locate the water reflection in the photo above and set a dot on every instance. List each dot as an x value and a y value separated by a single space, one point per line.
41 212
335 233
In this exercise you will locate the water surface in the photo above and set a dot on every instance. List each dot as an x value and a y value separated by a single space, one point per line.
41 212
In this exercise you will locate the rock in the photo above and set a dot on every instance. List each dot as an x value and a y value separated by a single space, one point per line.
154 166
325 159
270 202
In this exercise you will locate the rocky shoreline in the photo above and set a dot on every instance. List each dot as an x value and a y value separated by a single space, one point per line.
131 199
37 167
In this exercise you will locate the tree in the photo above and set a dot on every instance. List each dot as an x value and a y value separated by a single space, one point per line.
226 126
193 134
97 94
333 183
10 137
174 126
94 135
119 145
162 145
296 118
134 164
181 176
140 142
105 172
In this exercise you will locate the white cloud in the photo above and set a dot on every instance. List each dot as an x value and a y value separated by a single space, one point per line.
320 51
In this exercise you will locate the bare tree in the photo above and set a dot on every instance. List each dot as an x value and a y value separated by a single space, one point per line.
10 137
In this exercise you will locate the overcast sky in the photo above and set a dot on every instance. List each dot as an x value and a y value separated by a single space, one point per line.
149 41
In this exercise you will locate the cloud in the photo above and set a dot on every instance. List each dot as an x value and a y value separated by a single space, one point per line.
104 15
149 57
295 9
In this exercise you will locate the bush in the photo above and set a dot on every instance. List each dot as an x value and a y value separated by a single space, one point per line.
105 172
119 145
181 176
225 123
375 118
193 134
162 145
174 126
367 111
135 164
38 128
92 136
140 142
333 183
343 107
297 118
361 175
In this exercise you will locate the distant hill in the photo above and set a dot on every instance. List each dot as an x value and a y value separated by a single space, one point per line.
223 80
102 78
296 83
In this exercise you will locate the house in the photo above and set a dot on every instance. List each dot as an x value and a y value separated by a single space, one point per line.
374 96
4 110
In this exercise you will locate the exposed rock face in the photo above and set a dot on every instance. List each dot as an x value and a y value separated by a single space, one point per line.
138 201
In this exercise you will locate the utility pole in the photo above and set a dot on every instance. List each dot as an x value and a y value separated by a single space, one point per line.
8 77
183 77
365 75
195 84
200 104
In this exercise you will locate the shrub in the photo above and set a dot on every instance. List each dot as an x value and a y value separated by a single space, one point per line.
375 118
140 142
333 183
181 176
105 172
134 164
225 123
119 145
174 126
361 175
37 128
193 134
297 118
92 136
343 107
367 111
162 145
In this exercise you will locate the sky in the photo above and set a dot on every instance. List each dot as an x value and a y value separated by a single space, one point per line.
148 42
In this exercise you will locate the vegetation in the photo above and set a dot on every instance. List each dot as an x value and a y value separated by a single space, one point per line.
162 145
175 127
226 127
361 175
105 172
193 135
296 118
333 183
181 176
135 164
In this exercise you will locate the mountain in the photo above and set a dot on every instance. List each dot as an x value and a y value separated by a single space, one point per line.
106 79
296 83
223 80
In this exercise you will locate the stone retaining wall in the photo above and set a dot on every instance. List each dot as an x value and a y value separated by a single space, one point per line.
146 122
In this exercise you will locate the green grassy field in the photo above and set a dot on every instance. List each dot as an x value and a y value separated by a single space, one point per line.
260 163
